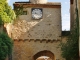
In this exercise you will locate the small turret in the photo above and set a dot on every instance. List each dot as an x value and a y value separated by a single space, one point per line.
38 1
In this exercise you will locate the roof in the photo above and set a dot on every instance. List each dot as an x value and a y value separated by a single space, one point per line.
47 5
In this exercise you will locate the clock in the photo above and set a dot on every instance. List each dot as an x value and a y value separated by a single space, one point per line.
37 13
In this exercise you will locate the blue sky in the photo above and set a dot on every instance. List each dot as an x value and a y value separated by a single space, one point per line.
65 11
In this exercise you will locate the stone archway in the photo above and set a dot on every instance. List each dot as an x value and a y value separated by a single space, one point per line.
44 53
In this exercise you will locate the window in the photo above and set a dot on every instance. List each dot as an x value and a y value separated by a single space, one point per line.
24 13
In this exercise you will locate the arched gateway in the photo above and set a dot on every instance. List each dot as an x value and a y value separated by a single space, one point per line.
44 53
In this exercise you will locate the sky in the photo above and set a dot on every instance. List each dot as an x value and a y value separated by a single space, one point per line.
65 11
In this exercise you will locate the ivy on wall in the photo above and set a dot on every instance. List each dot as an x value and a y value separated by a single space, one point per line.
70 49
18 10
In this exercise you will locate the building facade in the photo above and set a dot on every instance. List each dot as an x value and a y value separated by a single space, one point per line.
72 13
37 31
75 12
79 24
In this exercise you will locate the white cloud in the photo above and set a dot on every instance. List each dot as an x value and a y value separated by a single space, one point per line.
8 1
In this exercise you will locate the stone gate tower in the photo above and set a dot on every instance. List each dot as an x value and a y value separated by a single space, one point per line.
37 30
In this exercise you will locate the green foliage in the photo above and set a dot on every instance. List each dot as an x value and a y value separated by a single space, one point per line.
70 49
19 10
6 13
5 45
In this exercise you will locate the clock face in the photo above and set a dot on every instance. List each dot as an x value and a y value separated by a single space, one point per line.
37 13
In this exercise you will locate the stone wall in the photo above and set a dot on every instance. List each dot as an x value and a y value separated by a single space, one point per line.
79 25
72 14
48 28
25 50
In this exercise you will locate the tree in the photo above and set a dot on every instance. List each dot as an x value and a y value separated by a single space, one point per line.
7 15
70 49
5 45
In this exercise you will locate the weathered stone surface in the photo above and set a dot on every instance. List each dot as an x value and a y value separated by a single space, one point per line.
26 50
38 1
47 28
